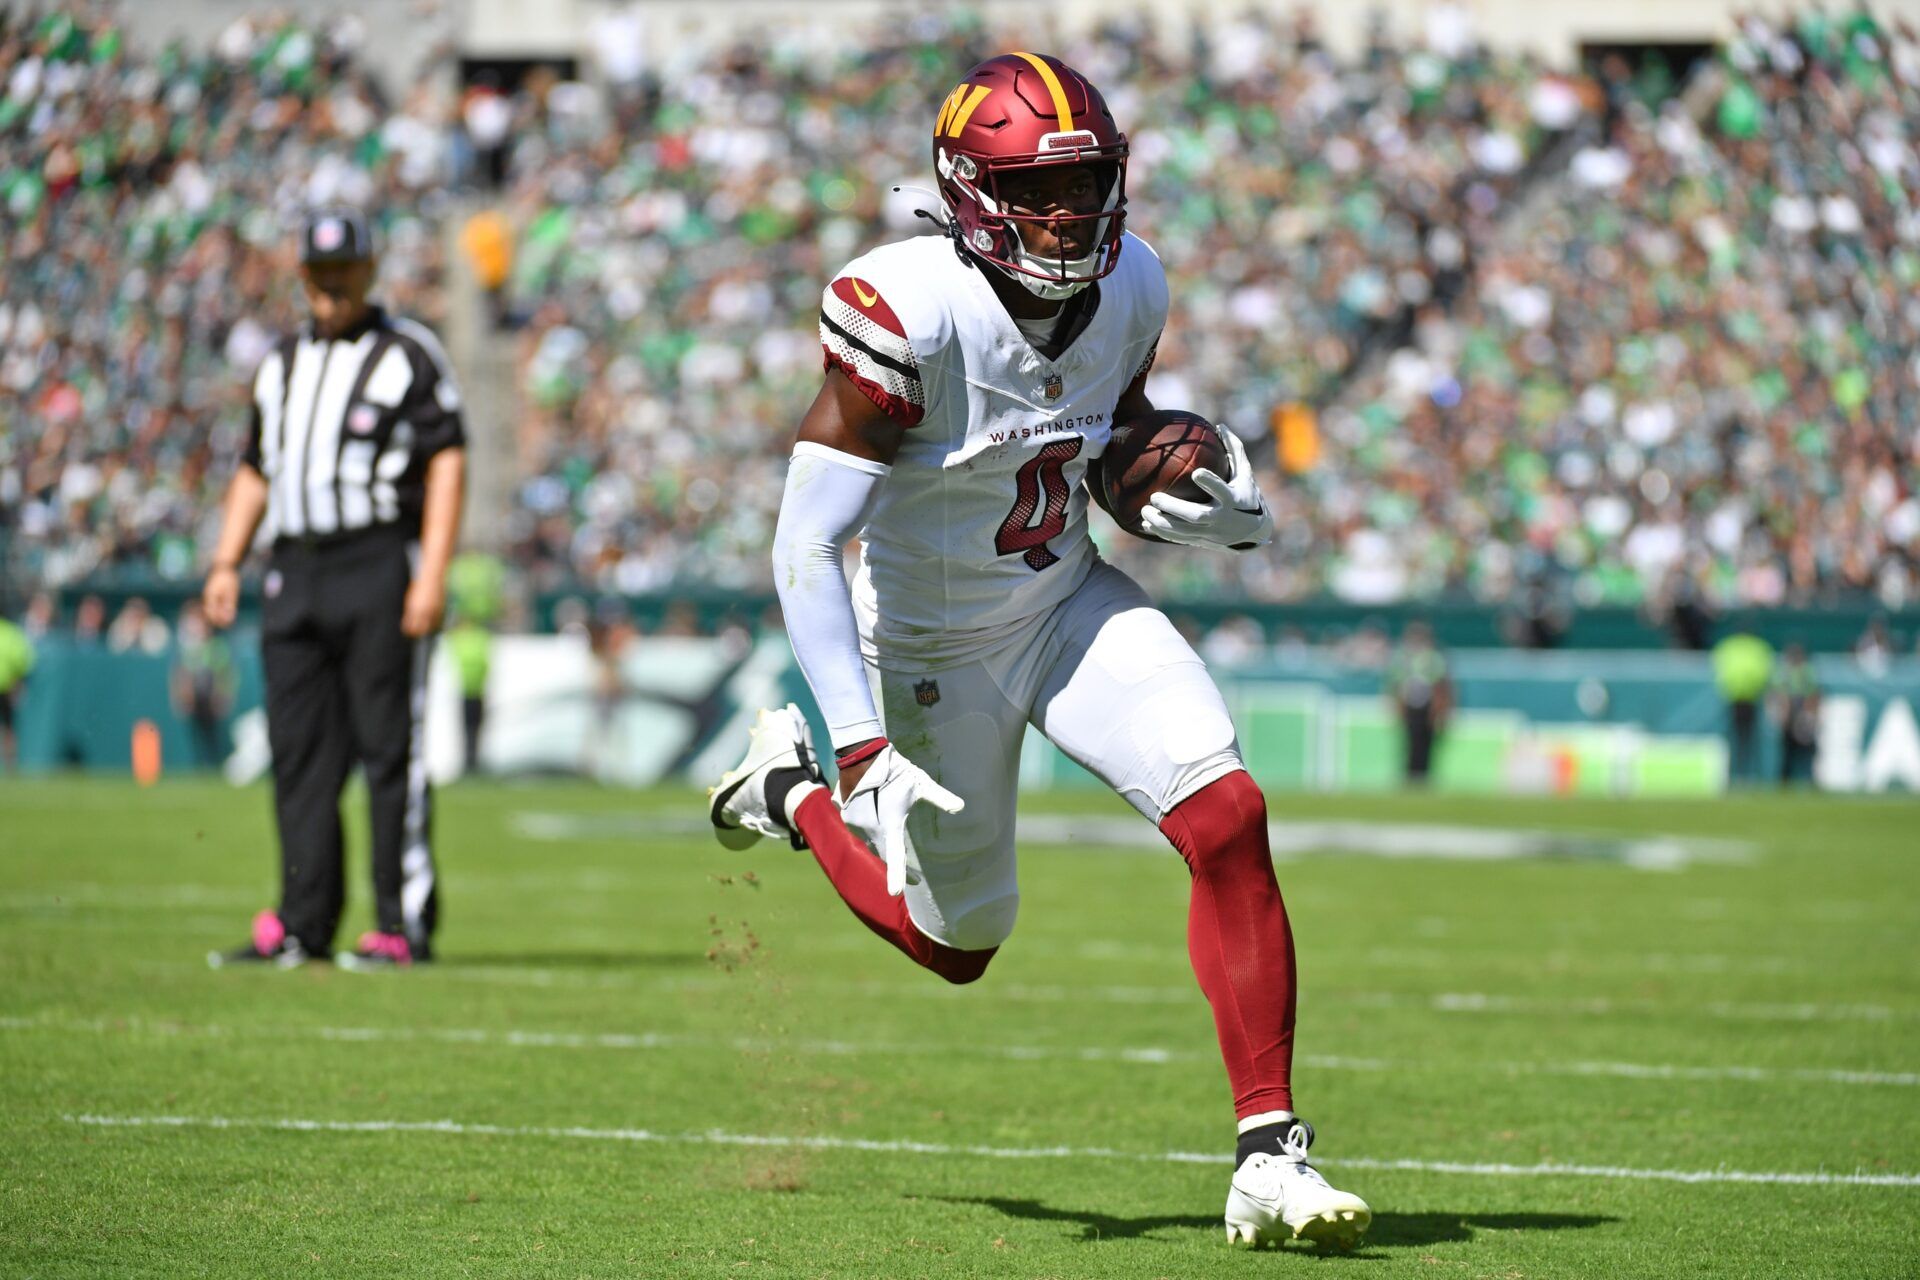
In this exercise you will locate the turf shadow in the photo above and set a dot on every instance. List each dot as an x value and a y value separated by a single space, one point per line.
1405 1230
575 959
1393 1230
1094 1227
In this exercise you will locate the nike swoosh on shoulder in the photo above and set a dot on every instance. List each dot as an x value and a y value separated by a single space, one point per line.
866 299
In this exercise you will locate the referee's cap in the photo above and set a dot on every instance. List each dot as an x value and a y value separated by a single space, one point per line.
336 233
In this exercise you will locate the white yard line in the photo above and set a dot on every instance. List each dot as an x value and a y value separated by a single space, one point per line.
1041 993
158 897
1128 835
905 1147
1466 1002
1146 1055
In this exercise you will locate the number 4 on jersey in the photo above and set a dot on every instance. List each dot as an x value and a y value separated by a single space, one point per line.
1042 473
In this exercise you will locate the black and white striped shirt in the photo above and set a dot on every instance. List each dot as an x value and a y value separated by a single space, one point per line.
343 427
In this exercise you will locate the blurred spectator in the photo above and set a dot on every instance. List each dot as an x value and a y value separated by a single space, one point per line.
1681 607
1369 647
137 630
43 614
1235 641
488 116
143 200
609 636
476 587
1539 617
487 240
470 645
1742 669
1691 351
1874 649
89 621
1421 690
670 275
1796 697
16 664
203 683
1697 347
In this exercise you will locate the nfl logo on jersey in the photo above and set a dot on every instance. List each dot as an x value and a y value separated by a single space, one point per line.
1053 386
926 692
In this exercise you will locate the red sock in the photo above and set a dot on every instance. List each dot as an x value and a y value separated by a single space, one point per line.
1238 937
860 877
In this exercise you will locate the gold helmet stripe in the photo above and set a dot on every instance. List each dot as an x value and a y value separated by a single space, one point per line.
1052 82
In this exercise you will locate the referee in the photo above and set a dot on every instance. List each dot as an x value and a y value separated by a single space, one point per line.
357 460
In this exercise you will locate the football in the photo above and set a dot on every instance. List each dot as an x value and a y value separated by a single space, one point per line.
1155 453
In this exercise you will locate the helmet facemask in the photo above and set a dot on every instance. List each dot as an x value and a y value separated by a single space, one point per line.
994 235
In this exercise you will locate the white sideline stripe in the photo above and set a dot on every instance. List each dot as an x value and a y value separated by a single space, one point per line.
1439 1002
134 897
717 1137
1129 836
1147 1055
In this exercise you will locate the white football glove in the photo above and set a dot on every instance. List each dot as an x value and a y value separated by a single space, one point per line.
880 802
1237 517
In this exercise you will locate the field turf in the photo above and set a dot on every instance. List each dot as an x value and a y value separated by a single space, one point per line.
643 1056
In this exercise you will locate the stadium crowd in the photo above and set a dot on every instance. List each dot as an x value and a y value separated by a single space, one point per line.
1689 371
145 201
1642 350
670 273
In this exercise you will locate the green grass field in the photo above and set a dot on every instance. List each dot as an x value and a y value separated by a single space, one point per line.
643 1056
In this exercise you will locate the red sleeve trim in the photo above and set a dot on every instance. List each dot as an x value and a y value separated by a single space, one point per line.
860 753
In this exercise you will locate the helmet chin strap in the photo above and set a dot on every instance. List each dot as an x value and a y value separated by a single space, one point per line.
1050 288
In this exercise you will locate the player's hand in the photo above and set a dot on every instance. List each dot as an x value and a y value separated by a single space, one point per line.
220 598
879 802
1237 517
425 605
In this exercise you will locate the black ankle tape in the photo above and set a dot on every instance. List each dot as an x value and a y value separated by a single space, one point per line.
780 785
1269 1138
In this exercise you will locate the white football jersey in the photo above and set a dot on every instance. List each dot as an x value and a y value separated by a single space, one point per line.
982 522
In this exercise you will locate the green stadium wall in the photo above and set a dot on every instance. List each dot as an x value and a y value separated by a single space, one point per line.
1597 723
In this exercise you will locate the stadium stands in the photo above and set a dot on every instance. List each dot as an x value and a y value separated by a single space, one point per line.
1542 331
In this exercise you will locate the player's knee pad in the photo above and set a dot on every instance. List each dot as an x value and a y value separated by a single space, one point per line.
982 926
1221 824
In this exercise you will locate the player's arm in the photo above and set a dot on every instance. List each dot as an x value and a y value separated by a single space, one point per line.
1133 401
872 395
847 444
846 447
433 407
841 417
246 505
446 487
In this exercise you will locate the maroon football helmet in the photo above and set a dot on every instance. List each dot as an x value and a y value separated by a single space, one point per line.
1024 111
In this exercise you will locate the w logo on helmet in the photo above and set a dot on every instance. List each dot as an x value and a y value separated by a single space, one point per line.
959 108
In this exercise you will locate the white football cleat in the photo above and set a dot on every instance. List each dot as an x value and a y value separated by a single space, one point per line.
738 806
1277 1198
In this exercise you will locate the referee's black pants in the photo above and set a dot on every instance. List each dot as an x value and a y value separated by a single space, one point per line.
344 684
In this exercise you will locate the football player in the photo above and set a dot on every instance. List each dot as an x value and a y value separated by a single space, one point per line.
971 379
